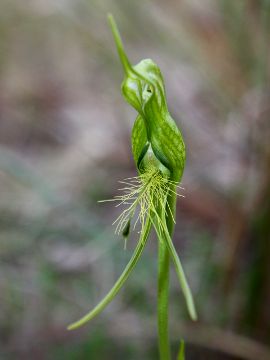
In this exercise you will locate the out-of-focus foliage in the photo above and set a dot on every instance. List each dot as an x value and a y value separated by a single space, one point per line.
64 143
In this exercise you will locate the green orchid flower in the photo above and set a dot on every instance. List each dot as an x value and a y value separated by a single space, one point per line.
159 154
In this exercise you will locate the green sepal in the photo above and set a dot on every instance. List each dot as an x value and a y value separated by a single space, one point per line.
163 235
121 280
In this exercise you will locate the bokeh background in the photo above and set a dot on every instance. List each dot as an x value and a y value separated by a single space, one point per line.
65 143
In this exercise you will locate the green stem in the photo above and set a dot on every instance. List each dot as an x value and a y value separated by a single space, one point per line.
163 298
167 250
163 285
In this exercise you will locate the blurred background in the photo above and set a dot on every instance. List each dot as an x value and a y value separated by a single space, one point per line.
65 144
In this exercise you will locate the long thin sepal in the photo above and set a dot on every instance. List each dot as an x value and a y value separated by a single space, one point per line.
121 280
163 235
119 44
182 277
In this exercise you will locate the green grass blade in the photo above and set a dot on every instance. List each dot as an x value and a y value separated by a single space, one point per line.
181 353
